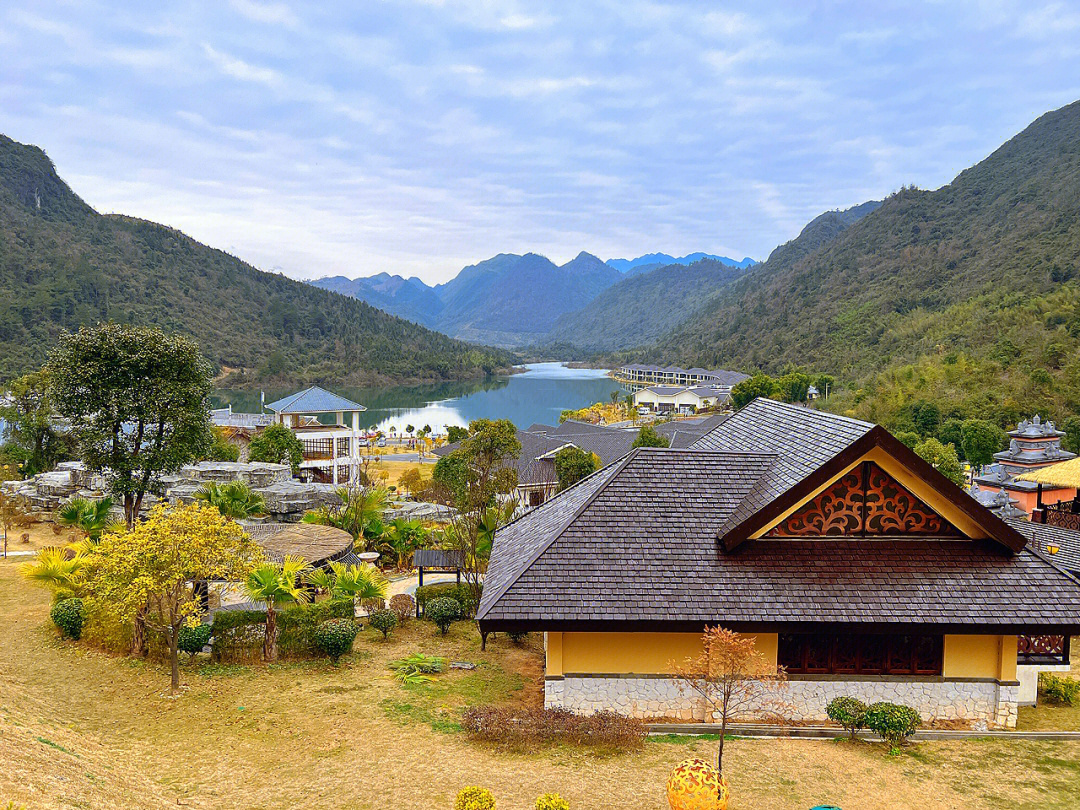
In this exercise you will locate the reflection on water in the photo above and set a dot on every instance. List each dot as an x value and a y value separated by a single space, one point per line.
538 395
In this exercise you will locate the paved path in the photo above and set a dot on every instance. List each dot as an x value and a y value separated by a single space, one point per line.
18 554
829 733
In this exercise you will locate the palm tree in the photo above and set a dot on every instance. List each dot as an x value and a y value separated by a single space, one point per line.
90 517
275 585
403 537
57 569
361 583
234 500
321 580
360 513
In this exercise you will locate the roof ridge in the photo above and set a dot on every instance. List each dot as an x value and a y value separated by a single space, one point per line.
533 557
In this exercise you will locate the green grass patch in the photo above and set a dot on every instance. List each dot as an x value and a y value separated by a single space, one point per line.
408 714
55 745
223 670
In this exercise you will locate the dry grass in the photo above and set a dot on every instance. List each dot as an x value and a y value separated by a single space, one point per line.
79 729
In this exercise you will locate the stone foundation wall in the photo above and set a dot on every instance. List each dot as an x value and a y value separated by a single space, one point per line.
985 704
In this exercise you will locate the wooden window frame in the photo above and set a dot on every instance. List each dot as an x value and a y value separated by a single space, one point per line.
901 654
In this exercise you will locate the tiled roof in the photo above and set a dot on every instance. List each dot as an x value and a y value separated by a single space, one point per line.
1040 536
803 438
570 426
609 444
637 543
540 428
314 400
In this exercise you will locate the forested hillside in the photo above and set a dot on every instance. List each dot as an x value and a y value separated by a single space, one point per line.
967 294
642 308
63 265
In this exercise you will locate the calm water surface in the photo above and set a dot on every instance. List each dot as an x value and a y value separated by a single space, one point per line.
538 395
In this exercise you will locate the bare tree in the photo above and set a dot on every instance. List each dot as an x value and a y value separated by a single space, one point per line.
732 677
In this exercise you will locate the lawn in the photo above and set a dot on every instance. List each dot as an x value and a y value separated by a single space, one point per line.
79 729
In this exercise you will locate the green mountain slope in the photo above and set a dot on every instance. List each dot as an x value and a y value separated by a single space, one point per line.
642 308
978 276
63 265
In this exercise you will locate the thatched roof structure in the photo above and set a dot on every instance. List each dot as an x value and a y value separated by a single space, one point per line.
319 545
1062 474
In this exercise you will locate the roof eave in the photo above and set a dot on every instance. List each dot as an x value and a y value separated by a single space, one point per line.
877 436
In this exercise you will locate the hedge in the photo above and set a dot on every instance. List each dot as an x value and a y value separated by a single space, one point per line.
238 634
463 594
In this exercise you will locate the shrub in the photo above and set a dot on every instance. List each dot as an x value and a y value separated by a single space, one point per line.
1058 688
384 621
528 728
517 637
417 668
404 607
443 611
894 723
192 639
68 615
334 637
849 712
238 634
474 798
462 593
552 801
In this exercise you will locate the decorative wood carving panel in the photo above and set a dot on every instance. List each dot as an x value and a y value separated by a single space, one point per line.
865 502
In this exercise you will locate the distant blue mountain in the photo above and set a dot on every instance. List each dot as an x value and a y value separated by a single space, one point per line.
650 261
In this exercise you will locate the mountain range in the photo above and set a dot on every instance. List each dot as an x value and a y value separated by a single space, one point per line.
517 301
651 261
63 265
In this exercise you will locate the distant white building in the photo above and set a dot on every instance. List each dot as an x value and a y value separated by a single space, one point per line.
681 399
332 449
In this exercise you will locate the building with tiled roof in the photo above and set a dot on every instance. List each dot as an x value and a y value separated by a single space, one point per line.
853 563
1034 445
328 425
638 375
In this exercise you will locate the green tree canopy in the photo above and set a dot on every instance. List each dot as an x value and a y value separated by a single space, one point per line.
792 387
137 401
455 433
980 440
745 392
943 458
31 440
648 437
1071 440
952 432
221 449
277 445
572 464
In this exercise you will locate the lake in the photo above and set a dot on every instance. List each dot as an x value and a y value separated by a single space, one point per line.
539 394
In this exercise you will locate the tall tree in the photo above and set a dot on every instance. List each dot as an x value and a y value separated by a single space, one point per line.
572 464
31 440
471 479
980 440
151 570
137 401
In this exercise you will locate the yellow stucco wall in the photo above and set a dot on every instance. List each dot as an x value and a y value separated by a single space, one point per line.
980 657
965 656
625 653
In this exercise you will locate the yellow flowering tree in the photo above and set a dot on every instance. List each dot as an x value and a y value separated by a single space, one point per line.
150 571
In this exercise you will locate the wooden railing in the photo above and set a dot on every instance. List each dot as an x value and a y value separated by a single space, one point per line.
1042 649
1061 515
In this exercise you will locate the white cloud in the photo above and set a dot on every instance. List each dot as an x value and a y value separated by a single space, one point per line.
417 137
269 13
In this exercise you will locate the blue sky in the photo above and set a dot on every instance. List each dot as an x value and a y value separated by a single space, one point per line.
417 137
